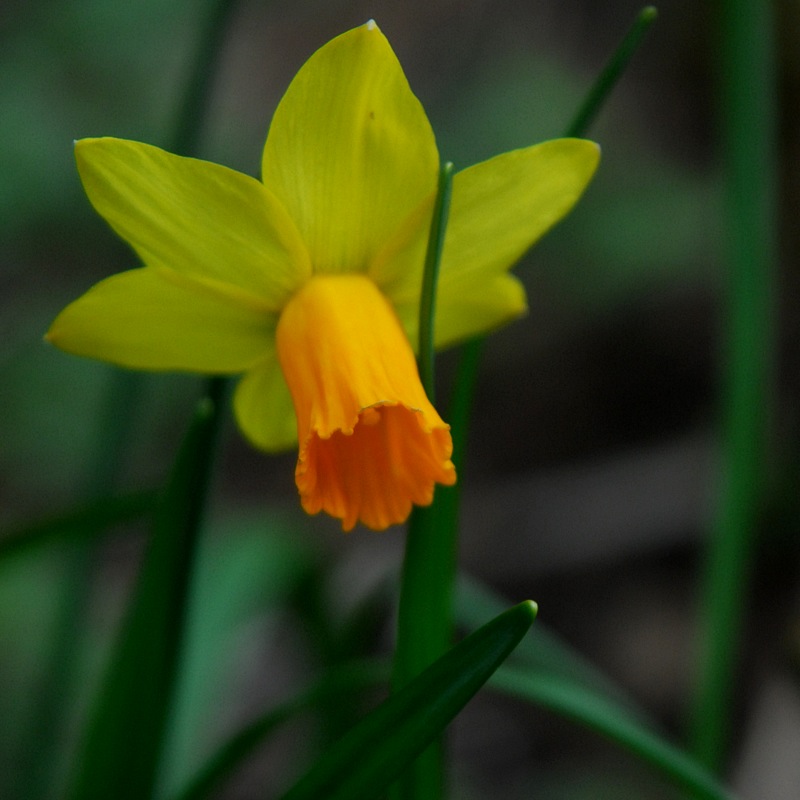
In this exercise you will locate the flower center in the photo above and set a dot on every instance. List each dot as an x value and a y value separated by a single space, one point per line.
371 443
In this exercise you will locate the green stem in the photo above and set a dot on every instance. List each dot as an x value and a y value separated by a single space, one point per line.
425 613
748 120
433 257
425 607
429 564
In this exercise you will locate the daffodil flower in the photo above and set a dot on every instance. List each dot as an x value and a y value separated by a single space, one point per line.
308 282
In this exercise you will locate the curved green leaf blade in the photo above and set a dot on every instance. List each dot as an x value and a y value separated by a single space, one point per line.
546 672
368 758
582 705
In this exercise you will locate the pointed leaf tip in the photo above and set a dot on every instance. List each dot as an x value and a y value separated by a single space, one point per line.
532 607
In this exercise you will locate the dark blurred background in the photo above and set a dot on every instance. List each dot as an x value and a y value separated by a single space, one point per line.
590 481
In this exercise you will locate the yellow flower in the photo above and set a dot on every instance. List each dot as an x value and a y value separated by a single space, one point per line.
308 281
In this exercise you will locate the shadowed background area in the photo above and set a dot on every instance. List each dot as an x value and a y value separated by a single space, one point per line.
593 458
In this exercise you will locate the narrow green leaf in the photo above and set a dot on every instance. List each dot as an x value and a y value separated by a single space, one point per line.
749 120
115 433
582 705
120 754
373 753
612 72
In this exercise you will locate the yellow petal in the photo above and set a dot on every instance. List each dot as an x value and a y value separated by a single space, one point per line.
502 206
350 151
200 219
263 406
371 443
483 306
154 319
499 209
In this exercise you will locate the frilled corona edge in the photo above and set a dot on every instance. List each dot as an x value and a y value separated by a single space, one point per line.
371 443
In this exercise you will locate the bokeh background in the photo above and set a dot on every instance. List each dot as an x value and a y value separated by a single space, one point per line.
593 458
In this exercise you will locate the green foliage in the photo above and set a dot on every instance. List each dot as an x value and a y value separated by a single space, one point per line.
121 754
748 84
246 574
370 756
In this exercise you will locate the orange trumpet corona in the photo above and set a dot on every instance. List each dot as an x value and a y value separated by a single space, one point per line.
371 443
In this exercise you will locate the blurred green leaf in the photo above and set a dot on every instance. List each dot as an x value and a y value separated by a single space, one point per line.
31 590
82 68
245 574
650 221
70 539
120 755
751 129
368 758
572 701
